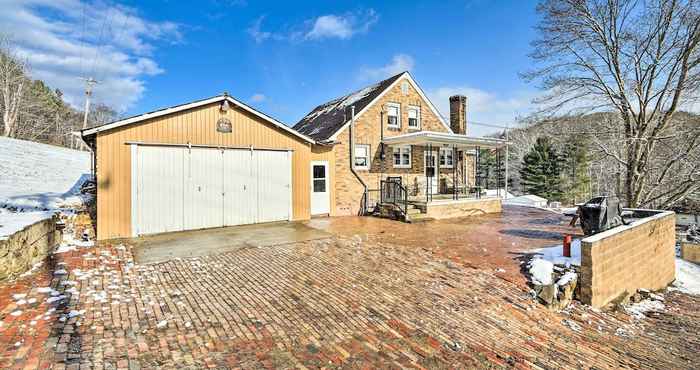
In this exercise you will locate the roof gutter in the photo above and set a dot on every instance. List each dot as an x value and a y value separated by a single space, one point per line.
352 160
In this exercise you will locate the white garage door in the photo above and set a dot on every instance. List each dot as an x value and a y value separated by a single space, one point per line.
181 188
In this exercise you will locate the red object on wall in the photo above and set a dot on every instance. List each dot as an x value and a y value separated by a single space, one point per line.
567 245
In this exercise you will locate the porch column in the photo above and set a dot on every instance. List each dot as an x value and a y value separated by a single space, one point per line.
506 184
477 170
498 172
455 192
425 172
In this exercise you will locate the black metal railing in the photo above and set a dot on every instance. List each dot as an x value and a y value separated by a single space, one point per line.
370 199
392 192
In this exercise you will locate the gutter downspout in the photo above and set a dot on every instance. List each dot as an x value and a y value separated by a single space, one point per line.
352 160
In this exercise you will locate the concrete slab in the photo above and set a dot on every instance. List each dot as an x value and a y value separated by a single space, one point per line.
163 247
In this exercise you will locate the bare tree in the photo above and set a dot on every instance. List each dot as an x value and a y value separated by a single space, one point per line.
13 78
640 59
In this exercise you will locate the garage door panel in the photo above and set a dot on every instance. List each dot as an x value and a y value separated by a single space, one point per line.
159 189
240 197
181 188
203 188
274 185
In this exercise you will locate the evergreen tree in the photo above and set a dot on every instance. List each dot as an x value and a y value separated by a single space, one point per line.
541 170
489 173
576 178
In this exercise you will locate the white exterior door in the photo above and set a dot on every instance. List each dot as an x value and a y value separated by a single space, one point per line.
180 188
320 188
430 170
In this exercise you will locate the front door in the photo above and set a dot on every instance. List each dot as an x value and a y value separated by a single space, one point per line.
430 168
320 192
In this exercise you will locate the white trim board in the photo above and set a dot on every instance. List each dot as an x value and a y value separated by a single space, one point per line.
180 108
409 78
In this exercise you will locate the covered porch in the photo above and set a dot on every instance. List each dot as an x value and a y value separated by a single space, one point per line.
449 182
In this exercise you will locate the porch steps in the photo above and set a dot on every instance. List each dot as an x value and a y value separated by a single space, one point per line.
414 213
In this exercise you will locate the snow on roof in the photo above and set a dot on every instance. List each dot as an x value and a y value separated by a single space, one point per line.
324 120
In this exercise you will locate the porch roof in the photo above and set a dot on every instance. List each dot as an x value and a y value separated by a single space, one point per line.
445 139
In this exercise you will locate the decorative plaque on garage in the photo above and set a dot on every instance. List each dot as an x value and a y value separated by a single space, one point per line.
223 125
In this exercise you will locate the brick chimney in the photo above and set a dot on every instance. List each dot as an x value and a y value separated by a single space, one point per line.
458 114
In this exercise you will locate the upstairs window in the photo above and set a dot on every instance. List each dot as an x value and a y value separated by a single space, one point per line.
446 157
413 117
393 115
402 157
362 157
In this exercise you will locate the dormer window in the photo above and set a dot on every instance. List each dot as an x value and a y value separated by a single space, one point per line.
413 117
393 114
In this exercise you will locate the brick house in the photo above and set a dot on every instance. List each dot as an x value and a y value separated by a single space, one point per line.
398 134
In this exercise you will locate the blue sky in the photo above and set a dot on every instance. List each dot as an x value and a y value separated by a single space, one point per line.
281 57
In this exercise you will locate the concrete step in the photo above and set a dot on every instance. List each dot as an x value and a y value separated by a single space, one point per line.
413 211
420 217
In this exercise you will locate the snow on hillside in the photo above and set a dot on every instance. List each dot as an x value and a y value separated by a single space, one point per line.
35 178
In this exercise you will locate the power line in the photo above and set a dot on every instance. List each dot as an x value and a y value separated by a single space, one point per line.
117 37
100 40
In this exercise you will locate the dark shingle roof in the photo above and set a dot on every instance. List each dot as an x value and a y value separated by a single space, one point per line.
326 119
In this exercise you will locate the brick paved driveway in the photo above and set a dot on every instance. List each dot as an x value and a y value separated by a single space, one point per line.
335 303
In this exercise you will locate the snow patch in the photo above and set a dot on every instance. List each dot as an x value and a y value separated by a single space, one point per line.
37 180
639 310
11 223
687 277
541 271
555 255
568 277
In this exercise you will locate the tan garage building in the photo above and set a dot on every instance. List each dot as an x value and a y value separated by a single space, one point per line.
211 163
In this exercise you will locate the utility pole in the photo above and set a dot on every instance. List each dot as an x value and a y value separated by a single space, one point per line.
89 83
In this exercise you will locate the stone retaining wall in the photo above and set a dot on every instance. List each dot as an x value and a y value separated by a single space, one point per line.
23 249
627 258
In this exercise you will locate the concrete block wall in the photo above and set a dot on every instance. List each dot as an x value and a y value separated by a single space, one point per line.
627 258
23 249
690 252
463 208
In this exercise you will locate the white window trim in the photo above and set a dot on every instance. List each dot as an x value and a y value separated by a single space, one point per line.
369 157
410 156
398 118
417 109
442 150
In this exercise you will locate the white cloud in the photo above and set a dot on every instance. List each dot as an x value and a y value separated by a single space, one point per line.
66 39
256 32
341 26
329 26
399 63
257 98
484 106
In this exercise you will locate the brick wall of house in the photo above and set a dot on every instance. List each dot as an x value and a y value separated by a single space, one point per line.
625 259
348 192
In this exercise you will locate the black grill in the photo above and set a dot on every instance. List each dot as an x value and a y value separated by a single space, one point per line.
600 214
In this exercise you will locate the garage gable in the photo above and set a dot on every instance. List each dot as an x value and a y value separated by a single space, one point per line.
225 100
